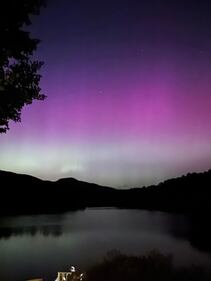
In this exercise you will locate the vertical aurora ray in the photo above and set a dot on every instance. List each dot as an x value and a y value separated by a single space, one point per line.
123 108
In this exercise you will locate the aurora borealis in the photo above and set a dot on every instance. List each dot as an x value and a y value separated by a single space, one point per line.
129 93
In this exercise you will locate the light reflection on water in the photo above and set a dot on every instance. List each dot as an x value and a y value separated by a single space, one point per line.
39 246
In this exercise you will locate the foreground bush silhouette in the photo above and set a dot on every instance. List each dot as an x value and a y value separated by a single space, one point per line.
153 267
19 72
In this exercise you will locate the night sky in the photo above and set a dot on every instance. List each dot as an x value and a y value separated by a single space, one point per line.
129 93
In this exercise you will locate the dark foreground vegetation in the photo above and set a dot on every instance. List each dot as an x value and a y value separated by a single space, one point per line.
153 267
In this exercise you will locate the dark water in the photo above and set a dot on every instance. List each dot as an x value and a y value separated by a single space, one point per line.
39 246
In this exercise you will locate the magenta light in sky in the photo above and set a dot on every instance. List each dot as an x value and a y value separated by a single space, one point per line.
123 108
127 134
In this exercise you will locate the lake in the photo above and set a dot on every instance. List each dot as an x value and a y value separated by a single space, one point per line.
42 245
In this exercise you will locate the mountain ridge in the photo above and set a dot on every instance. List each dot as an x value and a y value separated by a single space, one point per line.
28 194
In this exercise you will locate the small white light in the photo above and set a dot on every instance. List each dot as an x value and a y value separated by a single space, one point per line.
72 269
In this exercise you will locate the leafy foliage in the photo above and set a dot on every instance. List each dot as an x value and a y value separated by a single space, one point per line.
19 77
152 267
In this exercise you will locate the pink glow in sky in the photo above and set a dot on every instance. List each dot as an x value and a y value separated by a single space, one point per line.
118 114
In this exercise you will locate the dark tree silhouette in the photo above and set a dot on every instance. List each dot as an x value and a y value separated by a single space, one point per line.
19 77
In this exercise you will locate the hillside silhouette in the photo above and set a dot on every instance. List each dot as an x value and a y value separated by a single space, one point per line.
189 195
24 194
